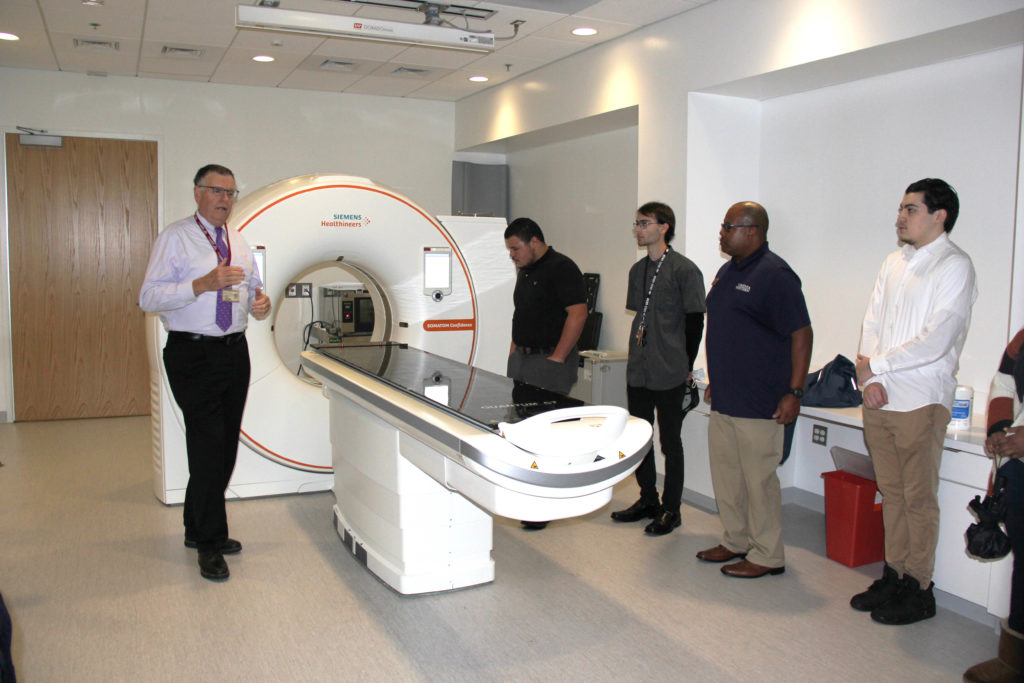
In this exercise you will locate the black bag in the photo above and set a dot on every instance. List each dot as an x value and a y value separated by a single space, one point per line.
985 538
834 386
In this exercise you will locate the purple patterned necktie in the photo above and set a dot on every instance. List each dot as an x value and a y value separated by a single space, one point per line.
224 314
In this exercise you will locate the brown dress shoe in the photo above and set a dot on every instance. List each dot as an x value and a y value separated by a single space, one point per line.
746 569
718 554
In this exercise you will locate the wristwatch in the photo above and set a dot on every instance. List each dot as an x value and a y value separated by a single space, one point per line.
799 393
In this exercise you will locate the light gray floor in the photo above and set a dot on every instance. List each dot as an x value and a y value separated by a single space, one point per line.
100 588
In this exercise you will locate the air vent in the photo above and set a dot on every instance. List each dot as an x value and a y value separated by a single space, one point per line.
338 65
409 72
174 52
97 45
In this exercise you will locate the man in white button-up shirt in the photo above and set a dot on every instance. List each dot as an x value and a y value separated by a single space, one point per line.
203 281
913 332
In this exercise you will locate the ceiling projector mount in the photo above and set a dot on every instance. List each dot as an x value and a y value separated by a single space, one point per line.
435 31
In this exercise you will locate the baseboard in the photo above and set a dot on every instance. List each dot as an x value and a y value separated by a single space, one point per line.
805 499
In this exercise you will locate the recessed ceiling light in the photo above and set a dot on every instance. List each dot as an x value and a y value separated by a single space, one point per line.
479 79
262 58
93 3
584 31
8 36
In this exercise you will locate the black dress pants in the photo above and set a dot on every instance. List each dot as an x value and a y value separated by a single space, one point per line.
1013 470
210 381
668 404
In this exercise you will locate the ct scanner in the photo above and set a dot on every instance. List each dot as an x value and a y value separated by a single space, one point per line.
306 222
420 435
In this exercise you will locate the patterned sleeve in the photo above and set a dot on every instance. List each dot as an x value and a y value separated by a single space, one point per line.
1003 389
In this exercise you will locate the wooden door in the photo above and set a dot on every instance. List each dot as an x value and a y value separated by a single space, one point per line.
82 219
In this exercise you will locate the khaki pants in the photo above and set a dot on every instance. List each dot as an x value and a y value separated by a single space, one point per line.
906 450
744 455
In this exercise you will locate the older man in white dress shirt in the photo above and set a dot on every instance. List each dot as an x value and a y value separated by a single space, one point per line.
203 281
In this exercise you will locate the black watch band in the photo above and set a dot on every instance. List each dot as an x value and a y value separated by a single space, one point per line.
799 393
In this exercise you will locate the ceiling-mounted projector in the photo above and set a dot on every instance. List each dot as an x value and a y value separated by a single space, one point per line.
335 26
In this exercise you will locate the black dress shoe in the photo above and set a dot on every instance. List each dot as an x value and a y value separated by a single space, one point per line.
637 511
533 526
212 565
664 523
229 547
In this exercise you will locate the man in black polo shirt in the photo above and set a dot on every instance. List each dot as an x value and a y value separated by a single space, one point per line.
550 309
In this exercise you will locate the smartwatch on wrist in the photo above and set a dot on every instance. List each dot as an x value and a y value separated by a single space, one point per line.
799 393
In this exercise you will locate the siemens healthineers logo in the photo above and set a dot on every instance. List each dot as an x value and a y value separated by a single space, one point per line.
345 220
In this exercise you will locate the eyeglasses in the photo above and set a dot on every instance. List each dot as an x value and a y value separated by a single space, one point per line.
220 191
729 226
644 224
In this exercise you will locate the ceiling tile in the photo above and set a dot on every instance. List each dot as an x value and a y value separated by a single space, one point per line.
431 56
33 51
115 18
640 12
319 80
544 49
390 87
606 30
142 28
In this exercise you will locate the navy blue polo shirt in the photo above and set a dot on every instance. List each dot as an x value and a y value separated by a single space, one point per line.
754 306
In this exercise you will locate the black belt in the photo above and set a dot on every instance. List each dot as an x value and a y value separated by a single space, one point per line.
228 339
533 350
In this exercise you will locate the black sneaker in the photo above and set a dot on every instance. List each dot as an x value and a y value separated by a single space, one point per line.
881 591
912 603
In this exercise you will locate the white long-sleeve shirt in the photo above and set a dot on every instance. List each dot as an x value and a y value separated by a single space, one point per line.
181 254
916 323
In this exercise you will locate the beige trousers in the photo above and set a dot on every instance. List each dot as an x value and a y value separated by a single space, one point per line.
906 450
744 454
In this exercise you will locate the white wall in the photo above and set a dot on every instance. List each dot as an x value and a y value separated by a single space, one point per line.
849 125
727 40
262 134
831 165
835 163
582 193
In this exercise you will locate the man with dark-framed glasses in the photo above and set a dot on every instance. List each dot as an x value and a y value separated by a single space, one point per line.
666 293
203 280
758 348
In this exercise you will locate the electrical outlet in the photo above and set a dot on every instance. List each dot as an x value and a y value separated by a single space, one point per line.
819 434
299 290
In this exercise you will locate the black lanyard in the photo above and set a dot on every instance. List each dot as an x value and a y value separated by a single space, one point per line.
641 330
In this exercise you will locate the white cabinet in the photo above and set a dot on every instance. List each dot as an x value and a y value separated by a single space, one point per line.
697 468
962 475
602 378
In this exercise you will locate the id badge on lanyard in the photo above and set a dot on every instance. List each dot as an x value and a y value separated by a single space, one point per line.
229 294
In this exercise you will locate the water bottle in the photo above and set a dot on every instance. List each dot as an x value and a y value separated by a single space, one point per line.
962 400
